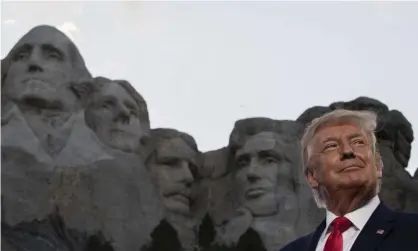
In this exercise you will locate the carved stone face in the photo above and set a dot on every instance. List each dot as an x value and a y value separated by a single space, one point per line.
40 71
173 169
114 116
262 171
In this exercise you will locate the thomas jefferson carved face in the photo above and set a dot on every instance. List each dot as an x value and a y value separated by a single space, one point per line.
173 167
114 116
262 172
39 73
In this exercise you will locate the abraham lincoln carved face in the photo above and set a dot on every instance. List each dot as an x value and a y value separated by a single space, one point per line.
263 171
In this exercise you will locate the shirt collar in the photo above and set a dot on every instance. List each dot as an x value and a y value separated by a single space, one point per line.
358 217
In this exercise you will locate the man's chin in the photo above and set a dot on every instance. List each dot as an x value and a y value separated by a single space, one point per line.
264 205
123 145
177 207
359 184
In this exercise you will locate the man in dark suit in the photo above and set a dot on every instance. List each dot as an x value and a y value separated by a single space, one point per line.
344 169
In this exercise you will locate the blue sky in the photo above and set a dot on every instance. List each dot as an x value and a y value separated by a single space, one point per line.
203 65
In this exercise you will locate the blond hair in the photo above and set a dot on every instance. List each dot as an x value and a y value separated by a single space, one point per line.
366 120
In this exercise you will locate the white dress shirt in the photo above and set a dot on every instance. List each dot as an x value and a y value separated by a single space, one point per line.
358 218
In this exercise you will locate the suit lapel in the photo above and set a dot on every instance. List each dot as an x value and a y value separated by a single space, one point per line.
377 227
315 236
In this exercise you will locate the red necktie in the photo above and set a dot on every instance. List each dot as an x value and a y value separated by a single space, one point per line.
335 239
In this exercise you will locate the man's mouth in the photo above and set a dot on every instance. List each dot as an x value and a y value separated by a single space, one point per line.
181 198
254 192
350 168
127 131
41 103
36 82
117 130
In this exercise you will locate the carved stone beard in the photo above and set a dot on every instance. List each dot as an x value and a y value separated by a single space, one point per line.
51 127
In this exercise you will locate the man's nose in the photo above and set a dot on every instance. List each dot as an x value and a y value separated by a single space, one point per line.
34 63
347 152
122 113
252 172
186 174
33 68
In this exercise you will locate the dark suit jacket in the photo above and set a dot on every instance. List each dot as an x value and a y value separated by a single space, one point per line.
400 233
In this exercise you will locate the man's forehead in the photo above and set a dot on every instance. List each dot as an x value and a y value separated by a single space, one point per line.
45 35
116 90
264 141
338 131
175 148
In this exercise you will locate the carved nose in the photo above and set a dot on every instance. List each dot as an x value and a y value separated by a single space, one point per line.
252 175
187 176
35 68
122 114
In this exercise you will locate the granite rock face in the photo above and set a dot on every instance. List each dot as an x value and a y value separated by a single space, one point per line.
83 171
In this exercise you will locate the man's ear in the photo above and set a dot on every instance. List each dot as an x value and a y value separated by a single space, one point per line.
310 171
379 165
311 178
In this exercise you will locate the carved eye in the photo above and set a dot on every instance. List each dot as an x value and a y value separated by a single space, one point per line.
21 56
132 111
270 160
53 54
170 162
242 163
107 104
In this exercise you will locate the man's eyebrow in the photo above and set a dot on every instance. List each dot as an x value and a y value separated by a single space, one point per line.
328 139
53 48
130 104
22 47
242 155
270 153
355 135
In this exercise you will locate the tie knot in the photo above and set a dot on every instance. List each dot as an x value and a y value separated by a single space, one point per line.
341 224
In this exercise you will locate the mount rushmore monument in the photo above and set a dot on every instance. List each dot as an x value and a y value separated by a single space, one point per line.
82 170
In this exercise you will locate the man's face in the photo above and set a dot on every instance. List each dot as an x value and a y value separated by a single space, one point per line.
343 159
173 169
262 172
115 116
40 71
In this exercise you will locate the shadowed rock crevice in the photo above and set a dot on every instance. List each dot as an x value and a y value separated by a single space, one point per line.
164 237
51 234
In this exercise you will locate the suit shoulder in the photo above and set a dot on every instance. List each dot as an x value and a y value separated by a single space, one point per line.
408 219
301 243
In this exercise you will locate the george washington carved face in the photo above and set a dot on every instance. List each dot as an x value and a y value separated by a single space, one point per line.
40 68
